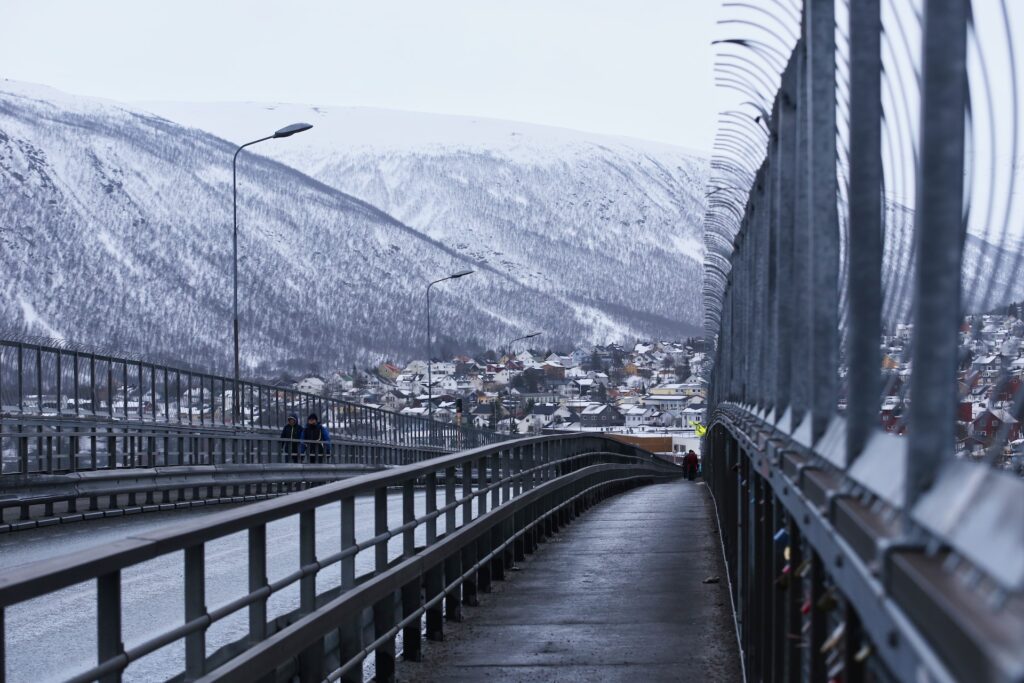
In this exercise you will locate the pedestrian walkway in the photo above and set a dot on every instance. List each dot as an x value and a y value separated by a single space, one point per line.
619 595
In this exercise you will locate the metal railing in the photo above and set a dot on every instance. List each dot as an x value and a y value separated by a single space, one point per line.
61 406
521 491
847 205
824 579
33 446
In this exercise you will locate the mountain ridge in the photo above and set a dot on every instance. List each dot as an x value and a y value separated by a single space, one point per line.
116 224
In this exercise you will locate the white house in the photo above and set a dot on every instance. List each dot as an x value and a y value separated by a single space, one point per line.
310 385
637 416
416 367
442 367
988 366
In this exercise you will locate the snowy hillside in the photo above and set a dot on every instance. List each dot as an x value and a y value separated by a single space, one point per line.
116 231
611 222
993 275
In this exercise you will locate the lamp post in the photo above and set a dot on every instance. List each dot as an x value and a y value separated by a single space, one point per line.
508 351
285 132
430 378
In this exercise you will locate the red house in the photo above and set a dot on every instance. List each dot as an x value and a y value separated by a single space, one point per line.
987 425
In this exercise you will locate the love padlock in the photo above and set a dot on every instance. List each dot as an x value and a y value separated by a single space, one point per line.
834 638
828 602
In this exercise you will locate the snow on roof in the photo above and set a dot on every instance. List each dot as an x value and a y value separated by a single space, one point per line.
1003 415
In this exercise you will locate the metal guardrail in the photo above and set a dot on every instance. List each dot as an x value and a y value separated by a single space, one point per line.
522 491
854 553
64 470
57 384
825 581
44 500
34 446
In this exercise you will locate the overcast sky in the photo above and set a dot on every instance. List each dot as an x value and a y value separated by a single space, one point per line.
641 68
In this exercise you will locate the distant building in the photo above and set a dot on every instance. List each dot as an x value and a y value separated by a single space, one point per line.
554 370
600 415
311 385
987 425
388 371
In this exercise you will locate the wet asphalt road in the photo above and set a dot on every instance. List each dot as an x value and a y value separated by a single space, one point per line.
618 595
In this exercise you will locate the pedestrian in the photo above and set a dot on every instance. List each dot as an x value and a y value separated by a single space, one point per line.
315 439
690 465
291 436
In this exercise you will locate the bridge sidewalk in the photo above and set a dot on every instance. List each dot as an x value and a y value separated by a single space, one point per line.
616 596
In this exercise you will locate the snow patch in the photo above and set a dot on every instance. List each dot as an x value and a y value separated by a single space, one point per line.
117 252
33 319
688 245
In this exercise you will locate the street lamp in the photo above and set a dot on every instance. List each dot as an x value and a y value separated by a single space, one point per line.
430 378
508 351
285 132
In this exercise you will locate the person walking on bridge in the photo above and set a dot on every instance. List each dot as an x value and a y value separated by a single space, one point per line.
690 465
316 439
291 435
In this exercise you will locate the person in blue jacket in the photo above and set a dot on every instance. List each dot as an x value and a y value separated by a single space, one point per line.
316 440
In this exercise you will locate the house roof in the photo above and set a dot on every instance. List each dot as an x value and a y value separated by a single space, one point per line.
598 408
1000 414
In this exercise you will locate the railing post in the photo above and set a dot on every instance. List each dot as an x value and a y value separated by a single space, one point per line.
384 609
431 507
481 486
785 126
449 500
467 491
506 474
453 563
311 659
483 547
411 644
496 479
195 607
823 211
801 254
864 290
517 468
108 622
257 580
939 230
817 617
350 632
469 585
434 579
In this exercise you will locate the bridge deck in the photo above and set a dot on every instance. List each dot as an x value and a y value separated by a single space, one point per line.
617 596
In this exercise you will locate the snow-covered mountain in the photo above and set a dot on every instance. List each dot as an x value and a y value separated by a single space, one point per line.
116 231
614 223
992 275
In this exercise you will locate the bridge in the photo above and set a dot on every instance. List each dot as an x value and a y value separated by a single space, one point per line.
862 185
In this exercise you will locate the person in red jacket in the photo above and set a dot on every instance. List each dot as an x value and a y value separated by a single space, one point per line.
690 465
